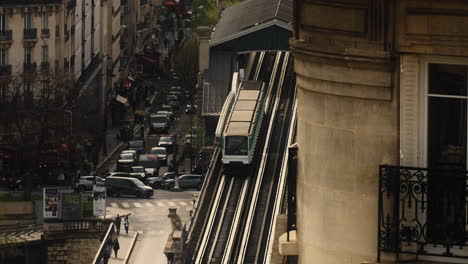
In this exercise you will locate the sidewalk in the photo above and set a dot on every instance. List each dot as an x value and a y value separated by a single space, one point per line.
126 243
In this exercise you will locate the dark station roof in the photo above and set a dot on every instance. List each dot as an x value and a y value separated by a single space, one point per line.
28 2
254 25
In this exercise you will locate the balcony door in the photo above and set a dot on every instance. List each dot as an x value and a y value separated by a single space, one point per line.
446 151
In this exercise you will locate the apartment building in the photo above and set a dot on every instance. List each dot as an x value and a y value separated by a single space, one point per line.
78 39
382 134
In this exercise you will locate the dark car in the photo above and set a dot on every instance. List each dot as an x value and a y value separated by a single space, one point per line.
118 174
85 183
157 182
167 142
186 181
127 186
168 108
159 123
137 145
138 175
125 162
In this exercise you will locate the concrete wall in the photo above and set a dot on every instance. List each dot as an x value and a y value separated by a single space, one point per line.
12 213
347 127
73 251
348 69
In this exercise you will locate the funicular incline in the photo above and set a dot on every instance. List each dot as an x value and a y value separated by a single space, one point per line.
235 210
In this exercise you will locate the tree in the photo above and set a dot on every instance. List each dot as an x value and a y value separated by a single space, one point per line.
186 63
34 107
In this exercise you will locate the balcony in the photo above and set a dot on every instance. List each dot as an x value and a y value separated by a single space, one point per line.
422 211
29 67
30 34
6 35
45 66
45 32
5 69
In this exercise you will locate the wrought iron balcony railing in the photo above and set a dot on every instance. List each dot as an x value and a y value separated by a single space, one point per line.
30 33
45 32
45 65
5 69
6 35
29 67
422 211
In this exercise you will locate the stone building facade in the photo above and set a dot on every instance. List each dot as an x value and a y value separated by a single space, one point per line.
381 83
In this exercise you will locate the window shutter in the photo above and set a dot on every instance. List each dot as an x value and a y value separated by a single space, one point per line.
409 94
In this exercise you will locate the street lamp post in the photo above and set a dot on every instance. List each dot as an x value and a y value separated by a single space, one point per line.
176 170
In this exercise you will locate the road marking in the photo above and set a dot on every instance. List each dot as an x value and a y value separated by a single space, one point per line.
183 203
137 204
160 204
126 205
171 204
149 204
115 205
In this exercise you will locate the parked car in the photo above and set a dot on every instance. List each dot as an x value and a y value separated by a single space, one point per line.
169 114
157 182
171 97
85 183
186 181
137 145
190 109
138 175
117 174
150 163
127 186
166 141
133 152
159 123
161 153
125 162
174 104
167 107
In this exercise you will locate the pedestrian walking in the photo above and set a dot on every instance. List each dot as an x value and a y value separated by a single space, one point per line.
117 221
107 251
116 246
126 224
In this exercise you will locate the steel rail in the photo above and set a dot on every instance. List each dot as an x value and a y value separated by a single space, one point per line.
253 204
210 221
281 186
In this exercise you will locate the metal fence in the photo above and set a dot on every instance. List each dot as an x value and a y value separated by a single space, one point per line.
422 211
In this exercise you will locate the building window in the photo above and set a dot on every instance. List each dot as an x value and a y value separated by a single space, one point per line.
446 137
28 20
28 55
44 54
44 20
3 26
3 57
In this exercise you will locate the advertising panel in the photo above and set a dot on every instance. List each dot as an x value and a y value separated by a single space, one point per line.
71 206
99 195
87 205
50 203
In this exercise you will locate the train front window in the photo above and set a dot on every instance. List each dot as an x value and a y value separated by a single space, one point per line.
236 145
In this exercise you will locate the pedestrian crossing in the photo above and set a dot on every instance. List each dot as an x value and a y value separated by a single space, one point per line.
167 204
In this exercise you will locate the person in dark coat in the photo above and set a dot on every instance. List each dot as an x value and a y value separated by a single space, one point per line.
116 246
117 222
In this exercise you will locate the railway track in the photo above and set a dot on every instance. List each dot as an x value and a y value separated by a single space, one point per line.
254 243
232 207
